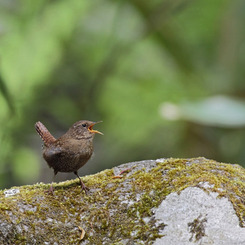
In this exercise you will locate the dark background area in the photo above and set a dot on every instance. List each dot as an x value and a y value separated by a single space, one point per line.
166 77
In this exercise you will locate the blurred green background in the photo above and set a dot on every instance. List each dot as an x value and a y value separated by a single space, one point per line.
166 77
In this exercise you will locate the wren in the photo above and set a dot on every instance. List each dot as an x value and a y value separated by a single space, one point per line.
71 151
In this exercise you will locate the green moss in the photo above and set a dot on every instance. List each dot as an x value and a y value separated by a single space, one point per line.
20 238
197 228
133 220
4 207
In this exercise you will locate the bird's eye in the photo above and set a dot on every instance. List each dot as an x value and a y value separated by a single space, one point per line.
84 124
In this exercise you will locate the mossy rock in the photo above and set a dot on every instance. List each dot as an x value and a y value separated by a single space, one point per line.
137 207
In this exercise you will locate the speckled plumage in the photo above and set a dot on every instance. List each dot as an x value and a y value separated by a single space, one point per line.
72 150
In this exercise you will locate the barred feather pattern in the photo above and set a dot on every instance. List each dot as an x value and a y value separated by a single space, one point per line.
45 135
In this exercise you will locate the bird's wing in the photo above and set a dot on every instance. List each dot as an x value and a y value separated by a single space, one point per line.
52 153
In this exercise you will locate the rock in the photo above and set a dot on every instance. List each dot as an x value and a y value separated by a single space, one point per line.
196 216
163 201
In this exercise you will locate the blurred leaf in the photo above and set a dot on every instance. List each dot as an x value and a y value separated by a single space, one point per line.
220 111
6 95
35 51
158 21
25 165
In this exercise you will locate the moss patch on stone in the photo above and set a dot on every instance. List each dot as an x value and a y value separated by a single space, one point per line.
115 210
197 228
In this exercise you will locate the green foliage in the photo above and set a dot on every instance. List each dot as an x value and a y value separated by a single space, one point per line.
6 95
120 61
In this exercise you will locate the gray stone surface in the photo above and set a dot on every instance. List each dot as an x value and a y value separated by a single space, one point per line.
215 219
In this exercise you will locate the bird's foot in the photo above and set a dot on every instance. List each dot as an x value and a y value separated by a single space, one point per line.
84 187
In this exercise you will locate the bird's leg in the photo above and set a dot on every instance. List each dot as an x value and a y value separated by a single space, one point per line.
81 183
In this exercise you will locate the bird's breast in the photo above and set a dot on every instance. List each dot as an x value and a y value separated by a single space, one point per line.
69 156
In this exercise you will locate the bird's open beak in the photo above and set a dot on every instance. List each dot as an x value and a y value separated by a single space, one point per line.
90 128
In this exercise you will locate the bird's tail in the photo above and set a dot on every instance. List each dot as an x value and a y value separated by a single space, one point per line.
45 135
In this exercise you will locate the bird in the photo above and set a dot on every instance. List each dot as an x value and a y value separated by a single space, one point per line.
71 151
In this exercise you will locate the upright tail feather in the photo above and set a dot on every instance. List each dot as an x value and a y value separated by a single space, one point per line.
45 135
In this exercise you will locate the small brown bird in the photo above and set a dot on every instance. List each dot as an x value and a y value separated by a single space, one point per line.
71 151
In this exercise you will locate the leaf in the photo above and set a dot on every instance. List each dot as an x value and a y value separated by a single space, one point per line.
6 95
220 111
